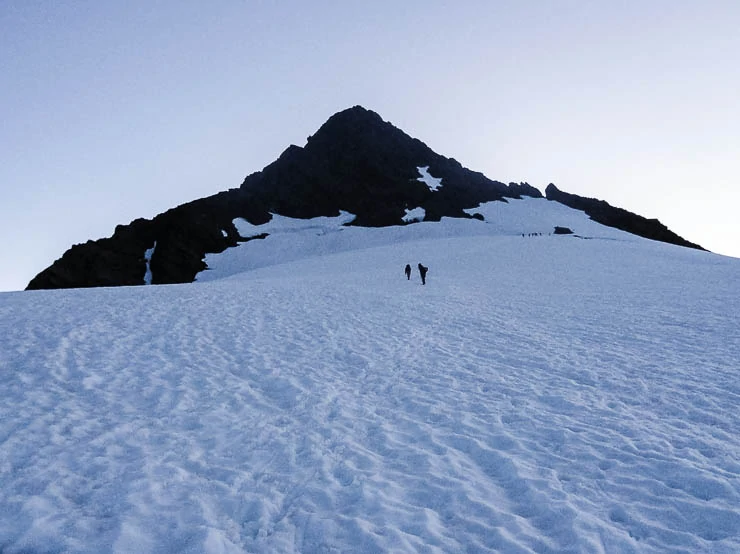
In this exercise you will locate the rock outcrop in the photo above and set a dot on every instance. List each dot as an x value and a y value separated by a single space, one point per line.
562 230
606 214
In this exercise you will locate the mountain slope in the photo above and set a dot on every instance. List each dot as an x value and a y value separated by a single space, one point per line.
355 162
538 394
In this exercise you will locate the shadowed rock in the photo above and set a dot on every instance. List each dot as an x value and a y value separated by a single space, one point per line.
602 212
562 231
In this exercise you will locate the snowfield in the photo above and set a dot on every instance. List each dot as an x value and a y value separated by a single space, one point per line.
545 394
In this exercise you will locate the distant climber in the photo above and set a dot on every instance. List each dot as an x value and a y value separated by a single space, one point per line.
407 271
423 272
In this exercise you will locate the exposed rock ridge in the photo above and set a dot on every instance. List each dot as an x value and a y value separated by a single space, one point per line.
602 212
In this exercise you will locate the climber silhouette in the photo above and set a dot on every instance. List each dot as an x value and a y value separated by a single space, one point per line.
423 272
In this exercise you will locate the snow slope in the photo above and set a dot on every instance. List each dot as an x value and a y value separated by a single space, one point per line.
539 394
294 239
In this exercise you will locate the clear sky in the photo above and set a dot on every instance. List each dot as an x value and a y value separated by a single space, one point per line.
111 111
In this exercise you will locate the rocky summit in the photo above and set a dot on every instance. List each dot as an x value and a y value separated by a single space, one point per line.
356 162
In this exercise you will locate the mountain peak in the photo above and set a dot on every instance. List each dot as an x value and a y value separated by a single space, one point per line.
356 124
359 163
355 114
355 162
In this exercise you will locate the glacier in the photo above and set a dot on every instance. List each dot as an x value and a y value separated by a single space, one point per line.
540 394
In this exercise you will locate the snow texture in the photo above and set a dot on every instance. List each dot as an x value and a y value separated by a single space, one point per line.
543 394
432 182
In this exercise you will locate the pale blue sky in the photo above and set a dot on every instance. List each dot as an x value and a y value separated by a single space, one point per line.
113 111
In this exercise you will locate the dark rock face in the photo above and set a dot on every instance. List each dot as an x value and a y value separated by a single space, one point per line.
355 162
562 231
183 235
524 189
361 164
603 213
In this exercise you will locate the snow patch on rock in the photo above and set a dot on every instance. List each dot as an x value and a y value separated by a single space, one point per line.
432 182
281 224
415 215
148 258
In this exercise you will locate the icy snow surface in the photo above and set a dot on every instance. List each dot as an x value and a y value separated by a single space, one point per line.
539 394
432 182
